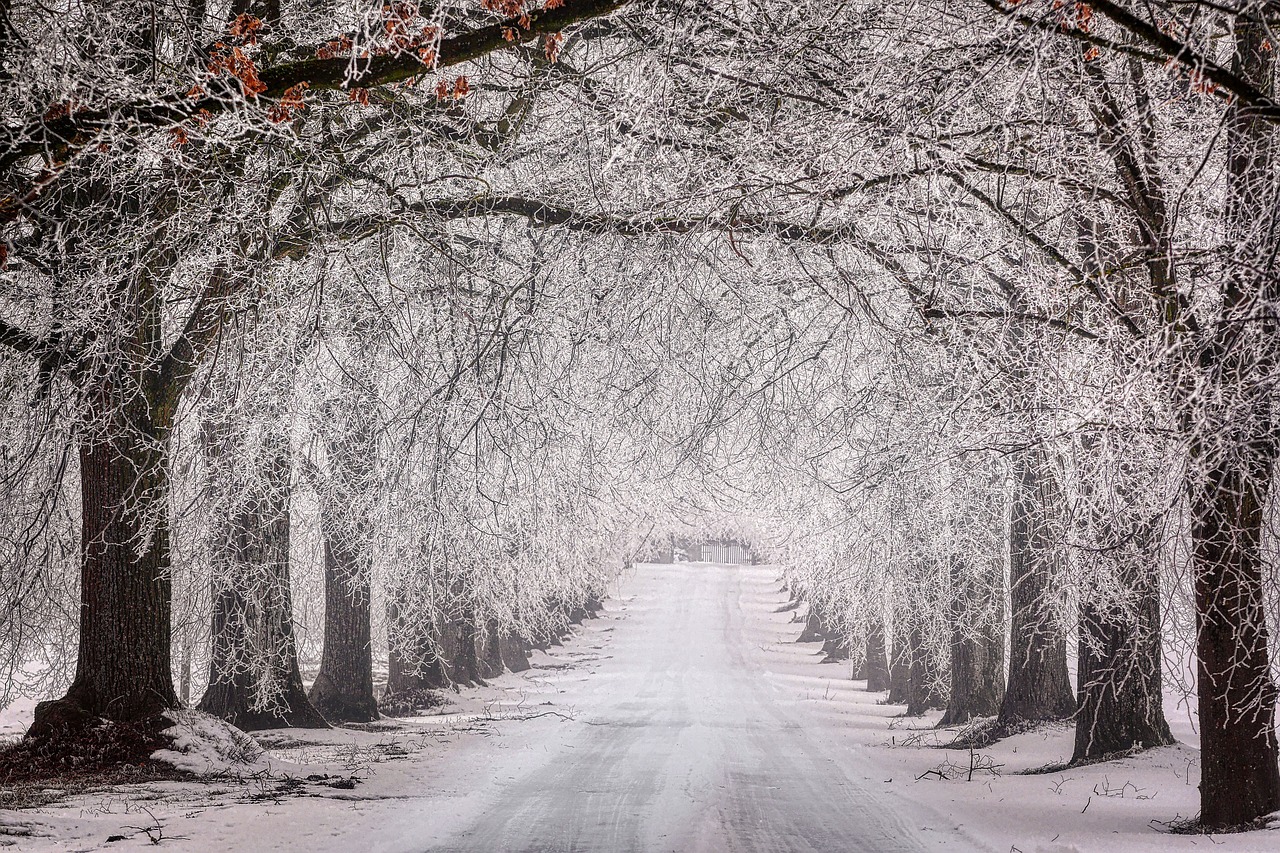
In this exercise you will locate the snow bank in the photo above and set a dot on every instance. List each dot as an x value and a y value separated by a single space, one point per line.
208 746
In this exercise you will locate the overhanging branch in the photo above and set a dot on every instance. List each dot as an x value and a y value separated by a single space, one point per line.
18 339
58 138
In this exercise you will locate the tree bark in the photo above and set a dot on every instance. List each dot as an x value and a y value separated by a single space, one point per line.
1039 687
123 666
815 626
515 653
923 691
977 642
900 664
254 680
123 669
491 661
1120 698
1233 456
414 665
343 689
877 667
466 662
410 673
1237 696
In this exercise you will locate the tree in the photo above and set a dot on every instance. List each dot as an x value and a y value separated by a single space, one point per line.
254 679
109 338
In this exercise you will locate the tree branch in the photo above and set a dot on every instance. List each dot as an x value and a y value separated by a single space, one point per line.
202 328
58 138
19 340
547 214
1167 47
1089 282
1051 322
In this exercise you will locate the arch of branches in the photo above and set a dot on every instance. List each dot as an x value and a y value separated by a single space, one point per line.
327 329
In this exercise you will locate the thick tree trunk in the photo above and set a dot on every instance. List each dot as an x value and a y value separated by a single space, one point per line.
1039 687
900 664
923 690
977 642
343 689
1120 700
410 673
466 663
123 669
858 665
491 660
877 667
515 653
815 626
254 680
1237 696
836 646
414 665
1233 457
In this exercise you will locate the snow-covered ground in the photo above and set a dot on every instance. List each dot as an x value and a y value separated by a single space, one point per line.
685 719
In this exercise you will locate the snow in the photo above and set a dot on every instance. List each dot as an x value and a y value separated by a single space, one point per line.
685 719
209 746
15 718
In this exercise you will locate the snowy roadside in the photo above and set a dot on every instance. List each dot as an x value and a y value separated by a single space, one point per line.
316 790
413 783
1124 805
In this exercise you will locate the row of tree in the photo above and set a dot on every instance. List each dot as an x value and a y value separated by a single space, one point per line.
489 290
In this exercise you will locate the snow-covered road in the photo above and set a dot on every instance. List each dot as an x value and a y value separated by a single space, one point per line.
686 718
681 744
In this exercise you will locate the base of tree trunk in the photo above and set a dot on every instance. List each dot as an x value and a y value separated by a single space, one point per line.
230 701
959 715
338 706
407 703
515 653
876 663
814 629
835 649
68 743
982 732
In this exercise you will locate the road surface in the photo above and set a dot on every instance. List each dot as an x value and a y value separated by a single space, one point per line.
680 744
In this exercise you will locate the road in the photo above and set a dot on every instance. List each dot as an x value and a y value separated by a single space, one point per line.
680 744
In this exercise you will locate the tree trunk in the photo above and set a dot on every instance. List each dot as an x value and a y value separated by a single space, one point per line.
466 662
254 680
815 627
877 667
1237 696
414 665
835 647
1120 700
123 668
515 653
977 642
900 664
410 673
343 689
491 661
923 693
1233 456
1039 687
857 666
